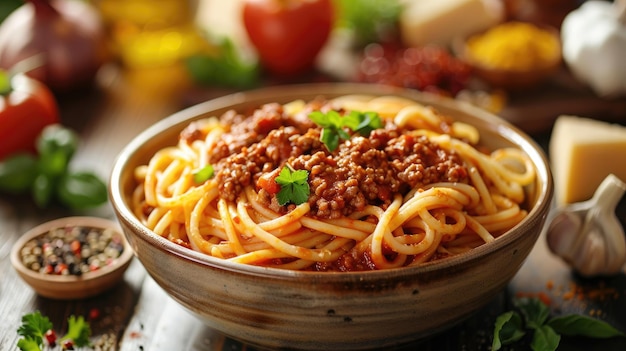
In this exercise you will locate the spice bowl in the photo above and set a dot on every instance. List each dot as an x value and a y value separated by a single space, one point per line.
513 56
72 257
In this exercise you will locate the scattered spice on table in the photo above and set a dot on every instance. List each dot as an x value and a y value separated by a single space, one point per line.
72 250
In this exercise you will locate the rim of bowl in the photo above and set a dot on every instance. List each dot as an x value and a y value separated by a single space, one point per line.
94 222
254 98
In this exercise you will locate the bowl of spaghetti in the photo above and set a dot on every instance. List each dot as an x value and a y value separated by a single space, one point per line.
374 216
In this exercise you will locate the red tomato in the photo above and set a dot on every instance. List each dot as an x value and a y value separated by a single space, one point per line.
288 34
268 182
26 107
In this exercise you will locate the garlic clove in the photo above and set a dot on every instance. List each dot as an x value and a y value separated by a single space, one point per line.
588 235
562 234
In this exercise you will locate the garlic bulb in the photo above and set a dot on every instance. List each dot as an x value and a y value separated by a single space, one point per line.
588 235
594 45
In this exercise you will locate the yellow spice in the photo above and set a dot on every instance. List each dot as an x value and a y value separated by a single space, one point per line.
514 46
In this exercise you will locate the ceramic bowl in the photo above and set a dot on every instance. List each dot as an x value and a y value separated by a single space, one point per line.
68 287
274 308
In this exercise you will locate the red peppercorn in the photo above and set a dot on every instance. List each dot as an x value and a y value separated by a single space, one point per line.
75 247
51 338
60 268
94 313
68 345
48 269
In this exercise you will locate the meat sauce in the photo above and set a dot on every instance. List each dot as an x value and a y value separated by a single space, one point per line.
362 171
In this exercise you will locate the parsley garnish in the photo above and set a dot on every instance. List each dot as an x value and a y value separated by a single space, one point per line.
534 316
78 331
294 186
363 122
33 328
204 174
36 327
332 124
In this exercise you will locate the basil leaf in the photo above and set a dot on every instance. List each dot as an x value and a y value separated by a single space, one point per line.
17 173
508 329
320 119
545 339
226 68
330 138
369 122
534 311
583 326
43 190
81 190
353 120
343 134
56 138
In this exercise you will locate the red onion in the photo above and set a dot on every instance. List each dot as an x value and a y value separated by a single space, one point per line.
67 35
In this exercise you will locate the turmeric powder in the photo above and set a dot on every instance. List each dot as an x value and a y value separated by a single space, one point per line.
516 46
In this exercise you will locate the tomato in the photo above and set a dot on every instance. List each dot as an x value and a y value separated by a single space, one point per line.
268 182
26 107
288 34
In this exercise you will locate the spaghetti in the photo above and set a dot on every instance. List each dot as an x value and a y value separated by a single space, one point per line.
414 190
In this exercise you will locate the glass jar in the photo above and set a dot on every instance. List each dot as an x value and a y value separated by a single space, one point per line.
150 33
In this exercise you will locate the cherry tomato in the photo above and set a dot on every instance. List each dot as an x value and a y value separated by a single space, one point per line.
26 107
288 34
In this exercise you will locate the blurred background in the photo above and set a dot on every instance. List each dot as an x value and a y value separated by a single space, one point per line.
223 46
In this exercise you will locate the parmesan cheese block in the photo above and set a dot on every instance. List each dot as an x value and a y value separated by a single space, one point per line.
425 22
582 153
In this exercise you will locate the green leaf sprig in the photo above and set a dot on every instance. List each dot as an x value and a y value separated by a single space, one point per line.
532 315
294 186
333 124
47 175
36 328
225 69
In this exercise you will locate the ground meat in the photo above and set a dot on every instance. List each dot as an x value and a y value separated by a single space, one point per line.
362 171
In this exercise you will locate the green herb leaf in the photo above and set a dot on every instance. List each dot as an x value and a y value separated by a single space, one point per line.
225 68
34 327
294 186
332 124
508 329
583 326
81 190
330 138
324 120
17 173
534 311
546 333
545 339
43 189
78 331
363 122
369 20
203 174
56 139
28 344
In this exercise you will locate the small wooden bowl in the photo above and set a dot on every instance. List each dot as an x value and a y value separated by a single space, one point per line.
510 79
67 287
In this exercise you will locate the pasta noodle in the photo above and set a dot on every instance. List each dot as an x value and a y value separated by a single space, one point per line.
446 199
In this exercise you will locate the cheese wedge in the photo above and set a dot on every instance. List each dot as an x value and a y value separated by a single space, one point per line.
424 22
582 153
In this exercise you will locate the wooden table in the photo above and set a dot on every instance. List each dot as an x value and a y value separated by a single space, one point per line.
138 315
